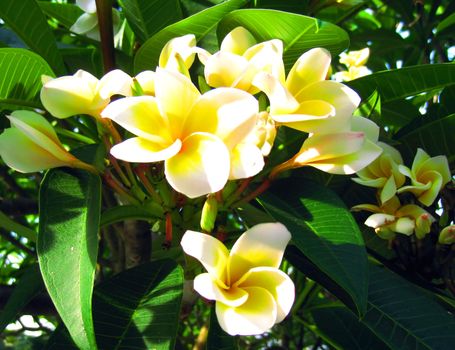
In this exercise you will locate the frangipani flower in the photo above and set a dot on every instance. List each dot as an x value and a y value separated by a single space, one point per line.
178 53
391 217
383 173
352 73
355 58
194 134
306 101
31 144
428 176
263 134
447 235
82 93
251 293
240 59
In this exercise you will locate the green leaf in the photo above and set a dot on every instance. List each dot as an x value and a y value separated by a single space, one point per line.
435 137
66 14
12 226
218 339
28 286
125 212
396 84
341 328
371 107
138 308
67 247
21 72
445 24
299 33
27 21
324 231
405 317
199 24
147 17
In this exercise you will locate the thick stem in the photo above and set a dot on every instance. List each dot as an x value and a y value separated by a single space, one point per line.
104 12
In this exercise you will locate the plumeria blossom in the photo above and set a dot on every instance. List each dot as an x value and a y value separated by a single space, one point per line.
251 293
352 73
178 54
355 58
194 134
383 173
31 144
87 23
82 93
391 218
305 100
447 235
428 176
240 59
264 133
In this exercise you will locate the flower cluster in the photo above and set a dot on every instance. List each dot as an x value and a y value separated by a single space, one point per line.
355 62
428 175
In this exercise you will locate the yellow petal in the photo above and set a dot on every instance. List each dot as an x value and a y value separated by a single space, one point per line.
311 67
403 225
205 285
147 81
261 245
355 58
223 69
115 82
389 190
257 315
176 95
182 46
274 281
212 254
246 161
237 41
141 116
139 150
201 166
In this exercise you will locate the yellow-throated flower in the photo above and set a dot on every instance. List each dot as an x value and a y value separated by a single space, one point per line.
251 293
428 176
31 144
82 93
194 134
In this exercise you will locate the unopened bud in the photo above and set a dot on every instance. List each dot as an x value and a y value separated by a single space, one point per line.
447 235
209 213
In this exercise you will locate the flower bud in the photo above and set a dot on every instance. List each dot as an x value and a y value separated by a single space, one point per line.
209 213
447 235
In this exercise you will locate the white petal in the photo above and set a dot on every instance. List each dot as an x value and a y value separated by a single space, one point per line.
206 286
139 150
88 6
246 161
85 23
115 82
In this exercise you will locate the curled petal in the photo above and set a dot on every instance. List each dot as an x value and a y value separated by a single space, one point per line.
85 23
146 80
139 150
379 219
246 161
261 245
223 69
237 41
257 315
182 46
206 286
115 82
88 6
201 167
209 251
403 225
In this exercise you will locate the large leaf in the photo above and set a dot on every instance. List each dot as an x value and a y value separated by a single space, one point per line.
299 33
199 24
27 21
324 231
147 17
21 72
138 308
404 317
67 247
29 285
396 84
66 14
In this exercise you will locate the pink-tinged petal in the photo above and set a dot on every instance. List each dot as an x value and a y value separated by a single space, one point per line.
228 113
139 150
208 288
223 69
311 67
23 155
141 116
237 41
257 315
85 23
281 100
379 219
201 167
212 254
274 281
176 95
344 99
261 245
115 82
246 161
367 126
146 80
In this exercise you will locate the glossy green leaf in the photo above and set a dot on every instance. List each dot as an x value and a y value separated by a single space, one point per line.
128 212
66 14
136 309
299 33
396 84
446 24
218 339
324 231
371 107
12 226
21 72
29 285
343 330
68 245
28 21
149 16
405 317
199 24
